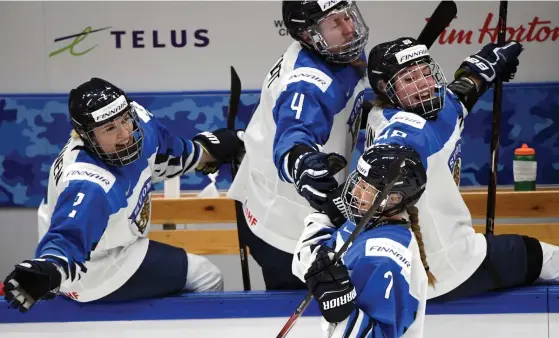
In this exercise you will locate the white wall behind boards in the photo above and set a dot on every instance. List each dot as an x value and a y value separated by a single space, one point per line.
189 45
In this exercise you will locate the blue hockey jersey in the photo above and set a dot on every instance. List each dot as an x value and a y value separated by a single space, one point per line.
304 100
385 268
95 218
454 250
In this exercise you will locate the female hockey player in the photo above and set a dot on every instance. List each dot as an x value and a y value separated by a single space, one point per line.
380 290
414 103
95 220
303 129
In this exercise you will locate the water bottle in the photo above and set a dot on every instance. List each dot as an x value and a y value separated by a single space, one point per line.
524 168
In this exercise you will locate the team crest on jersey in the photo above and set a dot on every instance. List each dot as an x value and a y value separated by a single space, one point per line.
455 162
142 212
354 121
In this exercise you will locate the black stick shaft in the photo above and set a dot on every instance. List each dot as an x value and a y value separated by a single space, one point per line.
495 129
234 101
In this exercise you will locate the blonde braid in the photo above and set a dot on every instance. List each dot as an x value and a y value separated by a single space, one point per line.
414 218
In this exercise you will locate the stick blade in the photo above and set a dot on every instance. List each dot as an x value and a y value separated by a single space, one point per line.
234 99
442 16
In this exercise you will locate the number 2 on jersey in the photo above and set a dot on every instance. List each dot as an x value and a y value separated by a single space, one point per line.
77 201
297 104
388 274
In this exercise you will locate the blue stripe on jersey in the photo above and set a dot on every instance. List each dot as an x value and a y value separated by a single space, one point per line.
303 113
428 140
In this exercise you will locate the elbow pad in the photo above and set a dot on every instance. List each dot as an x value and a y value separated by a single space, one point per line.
466 91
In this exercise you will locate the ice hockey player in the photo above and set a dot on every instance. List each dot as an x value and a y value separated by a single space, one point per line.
379 289
95 219
415 107
302 131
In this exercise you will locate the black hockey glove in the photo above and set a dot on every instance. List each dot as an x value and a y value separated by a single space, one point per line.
334 207
330 285
313 174
223 145
30 282
493 62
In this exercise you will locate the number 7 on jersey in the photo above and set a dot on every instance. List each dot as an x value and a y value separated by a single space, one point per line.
388 274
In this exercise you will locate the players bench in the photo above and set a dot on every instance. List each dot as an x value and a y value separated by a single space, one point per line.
532 213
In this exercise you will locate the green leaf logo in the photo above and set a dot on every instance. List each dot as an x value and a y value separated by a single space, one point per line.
77 39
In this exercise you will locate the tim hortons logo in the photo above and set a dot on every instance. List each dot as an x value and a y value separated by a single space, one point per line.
537 30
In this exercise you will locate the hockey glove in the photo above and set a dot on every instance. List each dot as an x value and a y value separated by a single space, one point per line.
30 282
223 145
493 62
334 207
330 285
313 174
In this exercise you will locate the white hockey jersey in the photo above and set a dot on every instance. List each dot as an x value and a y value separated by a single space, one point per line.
386 269
454 251
303 101
95 219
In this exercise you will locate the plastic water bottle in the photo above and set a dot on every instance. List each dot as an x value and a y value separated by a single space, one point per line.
524 168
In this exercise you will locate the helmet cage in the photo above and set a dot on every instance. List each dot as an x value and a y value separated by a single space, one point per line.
345 52
428 100
358 196
121 156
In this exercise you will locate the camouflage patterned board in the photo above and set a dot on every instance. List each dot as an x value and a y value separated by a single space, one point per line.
34 128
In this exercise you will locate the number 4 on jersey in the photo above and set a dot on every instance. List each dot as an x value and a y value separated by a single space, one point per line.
297 104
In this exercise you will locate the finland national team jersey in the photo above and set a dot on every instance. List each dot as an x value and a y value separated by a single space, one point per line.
386 269
95 219
454 250
303 101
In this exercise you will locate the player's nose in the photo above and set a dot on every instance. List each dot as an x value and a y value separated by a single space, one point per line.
347 28
124 135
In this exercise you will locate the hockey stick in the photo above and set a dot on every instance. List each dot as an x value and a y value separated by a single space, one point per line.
495 129
440 19
234 101
393 176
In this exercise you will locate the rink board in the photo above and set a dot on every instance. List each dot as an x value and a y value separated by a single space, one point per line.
527 312
257 304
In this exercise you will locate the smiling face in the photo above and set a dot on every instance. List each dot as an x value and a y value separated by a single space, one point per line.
414 84
116 135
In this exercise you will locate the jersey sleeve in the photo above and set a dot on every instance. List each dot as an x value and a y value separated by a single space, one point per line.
318 231
79 219
175 155
304 114
408 129
456 104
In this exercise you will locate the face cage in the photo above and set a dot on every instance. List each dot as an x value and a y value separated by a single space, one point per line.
428 107
123 156
358 197
347 52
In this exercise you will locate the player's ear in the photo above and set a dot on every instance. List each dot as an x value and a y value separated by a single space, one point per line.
381 86
305 36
